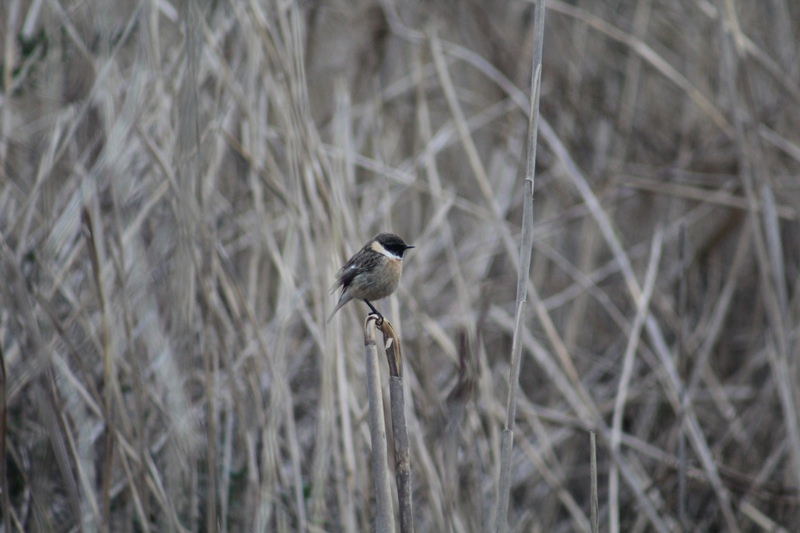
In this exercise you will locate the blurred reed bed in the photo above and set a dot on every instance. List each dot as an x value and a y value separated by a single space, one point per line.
179 183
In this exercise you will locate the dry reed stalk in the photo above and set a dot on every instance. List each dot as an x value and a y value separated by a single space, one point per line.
7 509
384 510
683 365
767 242
402 456
652 58
9 47
46 391
554 475
526 245
673 385
593 469
109 373
642 309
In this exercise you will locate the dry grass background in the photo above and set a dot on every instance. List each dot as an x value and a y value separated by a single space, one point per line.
179 186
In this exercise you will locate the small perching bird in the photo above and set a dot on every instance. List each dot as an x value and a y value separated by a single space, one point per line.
373 273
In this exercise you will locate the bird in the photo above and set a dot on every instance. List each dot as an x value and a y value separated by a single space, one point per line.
373 273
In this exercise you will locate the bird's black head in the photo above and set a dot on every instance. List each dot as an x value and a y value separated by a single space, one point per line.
392 243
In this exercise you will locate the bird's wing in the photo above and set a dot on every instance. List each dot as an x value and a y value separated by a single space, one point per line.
367 260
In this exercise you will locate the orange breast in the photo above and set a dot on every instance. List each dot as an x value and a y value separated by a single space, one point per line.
385 279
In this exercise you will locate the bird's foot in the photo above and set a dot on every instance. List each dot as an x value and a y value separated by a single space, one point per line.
375 312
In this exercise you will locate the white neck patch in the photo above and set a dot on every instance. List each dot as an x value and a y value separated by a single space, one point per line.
378 247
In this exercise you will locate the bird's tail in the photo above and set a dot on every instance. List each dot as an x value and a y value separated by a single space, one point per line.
343 300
